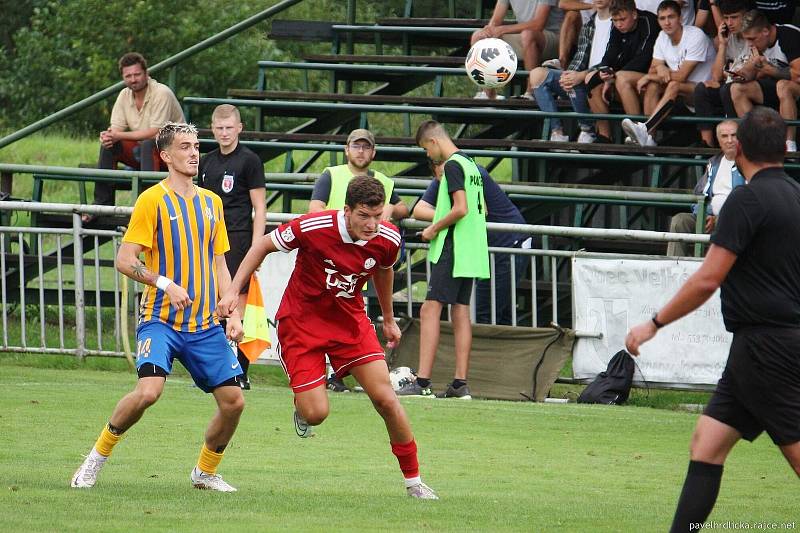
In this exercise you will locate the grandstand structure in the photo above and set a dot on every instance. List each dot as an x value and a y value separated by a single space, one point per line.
389 75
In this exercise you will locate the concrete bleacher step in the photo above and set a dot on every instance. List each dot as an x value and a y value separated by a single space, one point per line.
437 60
434 21
510 103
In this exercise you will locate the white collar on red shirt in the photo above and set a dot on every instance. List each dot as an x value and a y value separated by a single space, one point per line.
346 238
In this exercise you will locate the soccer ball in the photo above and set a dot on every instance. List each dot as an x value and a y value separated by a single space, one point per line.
402 375
491 63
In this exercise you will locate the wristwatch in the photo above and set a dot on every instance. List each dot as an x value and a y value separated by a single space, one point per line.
655 321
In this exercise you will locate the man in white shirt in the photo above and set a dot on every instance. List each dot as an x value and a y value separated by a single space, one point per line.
534 37
713 97
687 9
720 178
682 58
775 56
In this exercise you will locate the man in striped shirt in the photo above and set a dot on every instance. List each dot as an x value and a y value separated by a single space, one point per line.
180 229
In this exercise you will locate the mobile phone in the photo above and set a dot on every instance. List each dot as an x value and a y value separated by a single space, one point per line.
724 31
606 70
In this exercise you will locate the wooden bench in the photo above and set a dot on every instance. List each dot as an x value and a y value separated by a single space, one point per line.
437 60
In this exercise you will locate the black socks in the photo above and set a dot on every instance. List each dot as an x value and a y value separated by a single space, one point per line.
698 496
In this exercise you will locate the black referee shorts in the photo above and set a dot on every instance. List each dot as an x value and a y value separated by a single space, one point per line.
443 287
240 242
760 387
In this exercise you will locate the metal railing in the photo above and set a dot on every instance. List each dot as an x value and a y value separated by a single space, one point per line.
13 265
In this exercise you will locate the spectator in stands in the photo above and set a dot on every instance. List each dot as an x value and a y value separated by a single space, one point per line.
788 94
775 54
141 109
499 208
713 97
720 178
708 12
687 9
576 15
777 11
534 37
682 58
549 84
330 187
627 58
236 174
458 254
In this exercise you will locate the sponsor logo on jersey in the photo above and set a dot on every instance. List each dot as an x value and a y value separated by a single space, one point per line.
209 214
345 284
227 183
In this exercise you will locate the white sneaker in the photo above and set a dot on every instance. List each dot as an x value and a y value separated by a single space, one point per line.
499 97
203 481
791 146
586 137
421 491
637 132
481 95
303 429
86 476
552 63
557 136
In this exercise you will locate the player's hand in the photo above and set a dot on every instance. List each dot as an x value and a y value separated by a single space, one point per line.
227 305
428 234
234 329
606 92
712 84
391 332
606 76
639 335
178 296
569 79
711 221
642 83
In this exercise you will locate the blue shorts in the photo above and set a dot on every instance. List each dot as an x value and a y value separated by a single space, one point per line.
206 354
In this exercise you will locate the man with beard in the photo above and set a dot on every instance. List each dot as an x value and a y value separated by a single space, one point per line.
141 109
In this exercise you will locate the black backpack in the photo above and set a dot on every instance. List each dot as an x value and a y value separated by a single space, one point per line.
613 386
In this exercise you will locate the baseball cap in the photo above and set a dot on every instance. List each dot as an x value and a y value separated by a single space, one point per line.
361 134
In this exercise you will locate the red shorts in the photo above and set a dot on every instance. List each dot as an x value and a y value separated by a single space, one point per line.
303 354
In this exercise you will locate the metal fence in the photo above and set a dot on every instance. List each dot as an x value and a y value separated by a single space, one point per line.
40 314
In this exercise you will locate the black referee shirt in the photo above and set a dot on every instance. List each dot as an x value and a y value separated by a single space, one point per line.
760 223
232 176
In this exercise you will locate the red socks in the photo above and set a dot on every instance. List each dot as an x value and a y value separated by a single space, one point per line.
407 457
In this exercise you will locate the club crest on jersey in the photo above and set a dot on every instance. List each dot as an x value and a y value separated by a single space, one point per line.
369 263
227 183
287 235
344 283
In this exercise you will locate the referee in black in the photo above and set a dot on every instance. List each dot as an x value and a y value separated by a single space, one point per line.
236 174
755 258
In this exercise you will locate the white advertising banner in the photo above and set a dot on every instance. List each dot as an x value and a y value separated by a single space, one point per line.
611 295
273 276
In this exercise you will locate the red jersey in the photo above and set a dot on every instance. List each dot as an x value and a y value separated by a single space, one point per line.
324 291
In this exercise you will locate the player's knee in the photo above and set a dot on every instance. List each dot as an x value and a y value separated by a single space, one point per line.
148 397
233 406
315 416
387 405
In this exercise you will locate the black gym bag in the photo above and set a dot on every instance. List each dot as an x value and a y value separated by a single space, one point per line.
613 386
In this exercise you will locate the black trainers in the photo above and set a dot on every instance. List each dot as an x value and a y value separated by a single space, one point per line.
462 393
336 384
244 383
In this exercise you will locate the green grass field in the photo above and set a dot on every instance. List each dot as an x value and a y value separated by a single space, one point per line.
498 466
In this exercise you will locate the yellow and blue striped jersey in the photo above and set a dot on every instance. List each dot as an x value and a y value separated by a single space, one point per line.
181 236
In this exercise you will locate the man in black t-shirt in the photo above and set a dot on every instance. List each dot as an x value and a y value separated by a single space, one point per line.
236 174
755 260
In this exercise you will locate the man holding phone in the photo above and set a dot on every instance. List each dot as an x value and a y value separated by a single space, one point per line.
626 59
713 97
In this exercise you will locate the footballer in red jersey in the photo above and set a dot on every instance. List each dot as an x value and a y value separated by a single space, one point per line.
322 312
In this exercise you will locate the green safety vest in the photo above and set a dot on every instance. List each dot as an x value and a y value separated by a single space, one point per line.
470 246
341 176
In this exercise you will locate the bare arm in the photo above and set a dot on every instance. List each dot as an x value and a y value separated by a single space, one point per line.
258 197
574 5
384 286
399 210
315 206
683 73
138 135
697 289
255 256
129 264
233 327
457 212
423 211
